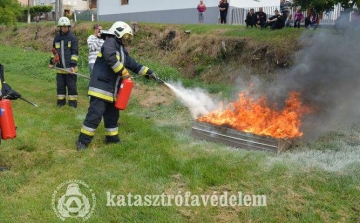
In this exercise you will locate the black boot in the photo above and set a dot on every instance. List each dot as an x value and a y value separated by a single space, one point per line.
112 140
81 146
61 102
73 103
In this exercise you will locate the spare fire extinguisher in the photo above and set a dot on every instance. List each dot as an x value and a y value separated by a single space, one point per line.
7 124
124 94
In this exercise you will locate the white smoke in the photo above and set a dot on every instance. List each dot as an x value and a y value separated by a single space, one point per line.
197 100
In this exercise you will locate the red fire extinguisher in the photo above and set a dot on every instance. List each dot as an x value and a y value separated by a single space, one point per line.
124 94
7 124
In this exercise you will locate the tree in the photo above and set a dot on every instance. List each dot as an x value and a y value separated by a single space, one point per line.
326 5
38 9
10 10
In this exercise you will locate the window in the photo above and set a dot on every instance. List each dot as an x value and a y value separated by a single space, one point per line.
92 4
124 2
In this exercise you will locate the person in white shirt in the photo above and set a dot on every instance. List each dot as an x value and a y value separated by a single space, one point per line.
94 42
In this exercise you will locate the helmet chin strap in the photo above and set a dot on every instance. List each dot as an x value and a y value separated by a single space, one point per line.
64 32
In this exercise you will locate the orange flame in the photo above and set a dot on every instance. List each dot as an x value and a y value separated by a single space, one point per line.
255 116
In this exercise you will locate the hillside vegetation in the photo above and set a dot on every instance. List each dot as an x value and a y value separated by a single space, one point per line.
202 52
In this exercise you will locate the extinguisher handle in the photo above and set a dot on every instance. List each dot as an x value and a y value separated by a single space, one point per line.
127 76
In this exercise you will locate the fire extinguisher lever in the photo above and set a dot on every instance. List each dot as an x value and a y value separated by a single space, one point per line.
13 95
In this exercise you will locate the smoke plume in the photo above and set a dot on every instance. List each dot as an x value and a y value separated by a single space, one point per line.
327 73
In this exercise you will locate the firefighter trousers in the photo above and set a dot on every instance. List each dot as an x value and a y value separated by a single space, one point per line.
68 81
99 109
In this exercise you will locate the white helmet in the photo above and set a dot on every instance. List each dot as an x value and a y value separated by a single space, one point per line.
64 21
120 29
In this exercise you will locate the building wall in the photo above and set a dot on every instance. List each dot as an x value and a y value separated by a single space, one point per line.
165 11
24 2
176 16
114 6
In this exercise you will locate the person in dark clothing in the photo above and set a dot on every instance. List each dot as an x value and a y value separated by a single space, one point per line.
250 18
275 22
110 69
312 20
260 17
223 6
66 45
285 8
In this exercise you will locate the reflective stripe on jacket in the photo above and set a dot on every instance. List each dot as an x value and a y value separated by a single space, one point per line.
109 65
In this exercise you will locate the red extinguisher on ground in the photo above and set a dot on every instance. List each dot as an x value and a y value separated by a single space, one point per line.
124 93
7 124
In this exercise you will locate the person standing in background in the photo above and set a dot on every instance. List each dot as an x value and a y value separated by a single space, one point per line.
223 6
201 9
65 56
285 7
94 42
299 17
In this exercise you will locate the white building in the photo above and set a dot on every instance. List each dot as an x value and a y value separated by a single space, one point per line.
166 11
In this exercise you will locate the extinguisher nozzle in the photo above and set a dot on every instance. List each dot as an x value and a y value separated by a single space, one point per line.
160 81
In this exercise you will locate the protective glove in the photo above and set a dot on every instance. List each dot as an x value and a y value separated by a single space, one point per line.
9 93
12 95
5 88
125 73
152 76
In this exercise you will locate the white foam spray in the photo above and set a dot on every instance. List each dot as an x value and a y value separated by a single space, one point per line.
197 100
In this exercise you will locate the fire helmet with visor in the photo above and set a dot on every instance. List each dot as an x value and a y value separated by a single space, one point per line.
64 21
104 34
122 30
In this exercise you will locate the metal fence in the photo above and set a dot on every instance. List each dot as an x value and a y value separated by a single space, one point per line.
78 15
238 15
86 15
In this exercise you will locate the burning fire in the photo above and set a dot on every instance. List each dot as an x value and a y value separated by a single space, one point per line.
255 116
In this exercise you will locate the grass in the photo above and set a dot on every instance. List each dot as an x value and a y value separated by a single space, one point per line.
158 156
265 36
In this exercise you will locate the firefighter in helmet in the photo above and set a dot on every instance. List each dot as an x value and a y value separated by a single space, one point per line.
65 56
111 66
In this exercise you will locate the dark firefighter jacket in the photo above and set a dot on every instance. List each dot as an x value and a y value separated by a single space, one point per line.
4 87
1 80
108 68
66 46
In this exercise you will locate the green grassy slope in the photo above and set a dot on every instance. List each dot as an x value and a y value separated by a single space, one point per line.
158 156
